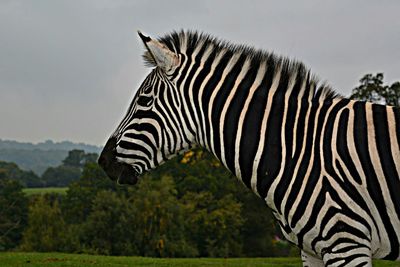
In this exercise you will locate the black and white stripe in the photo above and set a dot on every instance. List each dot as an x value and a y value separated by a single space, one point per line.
327 166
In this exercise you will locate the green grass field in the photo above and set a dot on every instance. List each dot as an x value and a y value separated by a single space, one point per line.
44 190
59 259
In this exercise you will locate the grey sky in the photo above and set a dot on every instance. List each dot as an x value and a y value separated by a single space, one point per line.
68 69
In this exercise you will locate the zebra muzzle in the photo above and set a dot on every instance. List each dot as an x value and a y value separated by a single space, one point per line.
127 176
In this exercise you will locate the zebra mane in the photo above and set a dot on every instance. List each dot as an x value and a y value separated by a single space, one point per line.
185 42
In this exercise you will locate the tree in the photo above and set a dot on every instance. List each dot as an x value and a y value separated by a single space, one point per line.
77 204
13 212
78 158
74 158
60 176
214 226
259 227
109 227
199 172
26 178
373 89
46 231
159 220
70 170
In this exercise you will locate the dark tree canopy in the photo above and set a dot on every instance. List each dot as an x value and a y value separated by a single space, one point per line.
372 88
26 178
70 170
13 212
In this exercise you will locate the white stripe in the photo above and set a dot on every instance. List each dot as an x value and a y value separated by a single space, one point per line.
394 144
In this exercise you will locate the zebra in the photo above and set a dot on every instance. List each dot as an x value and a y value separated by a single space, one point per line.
328 167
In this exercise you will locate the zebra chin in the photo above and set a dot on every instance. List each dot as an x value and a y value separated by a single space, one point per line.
122 173
128 176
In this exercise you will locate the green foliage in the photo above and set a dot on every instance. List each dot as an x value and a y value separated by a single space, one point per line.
213 225
259 228
74 158
189 207
198 172
159 220
162 216
70 170
78 158
105 230
46 230
45 190
78 201
372 89
60 176
26 178
13 212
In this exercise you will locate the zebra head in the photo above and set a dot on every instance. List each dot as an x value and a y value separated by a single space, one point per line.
151 132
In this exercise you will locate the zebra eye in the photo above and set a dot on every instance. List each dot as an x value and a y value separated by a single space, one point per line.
145 101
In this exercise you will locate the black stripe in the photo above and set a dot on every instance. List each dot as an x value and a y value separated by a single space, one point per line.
220 99
271 157
208 89
252 125
233 113
196 88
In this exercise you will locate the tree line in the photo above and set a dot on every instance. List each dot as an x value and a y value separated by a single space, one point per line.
38 157
189 207
68 171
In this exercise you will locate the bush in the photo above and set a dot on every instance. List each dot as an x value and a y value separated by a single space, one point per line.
13 212
46 229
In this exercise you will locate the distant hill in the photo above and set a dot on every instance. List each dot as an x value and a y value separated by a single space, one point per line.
38 157
48 145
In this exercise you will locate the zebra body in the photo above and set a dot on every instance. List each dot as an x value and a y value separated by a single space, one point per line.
328 167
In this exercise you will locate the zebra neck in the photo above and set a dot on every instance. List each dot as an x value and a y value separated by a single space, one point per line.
254 134
245 111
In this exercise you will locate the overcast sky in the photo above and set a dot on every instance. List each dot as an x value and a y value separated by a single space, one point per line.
68 69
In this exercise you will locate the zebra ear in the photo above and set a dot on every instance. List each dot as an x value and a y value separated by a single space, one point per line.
158 55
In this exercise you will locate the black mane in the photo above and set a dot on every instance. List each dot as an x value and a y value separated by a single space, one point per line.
175 42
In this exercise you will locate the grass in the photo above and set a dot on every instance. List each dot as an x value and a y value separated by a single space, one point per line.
45 190
11 259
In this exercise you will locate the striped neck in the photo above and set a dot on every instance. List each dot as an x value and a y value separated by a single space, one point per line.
243 104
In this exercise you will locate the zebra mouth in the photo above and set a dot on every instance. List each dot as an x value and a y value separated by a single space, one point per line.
128 176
